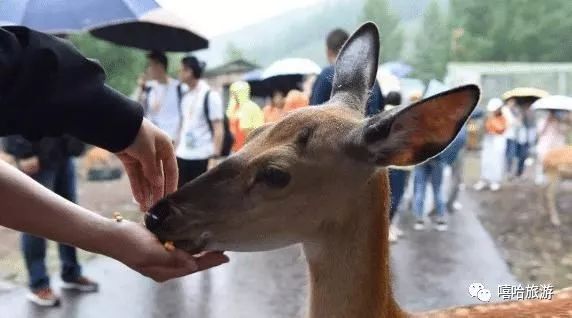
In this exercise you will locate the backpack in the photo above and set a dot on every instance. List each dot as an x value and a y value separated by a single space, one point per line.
228 137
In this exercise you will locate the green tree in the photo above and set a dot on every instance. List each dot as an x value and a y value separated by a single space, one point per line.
121 64
513 30
391 33
233 52
432 45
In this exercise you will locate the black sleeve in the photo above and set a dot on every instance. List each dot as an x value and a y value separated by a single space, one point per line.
47 88
322 89
19 147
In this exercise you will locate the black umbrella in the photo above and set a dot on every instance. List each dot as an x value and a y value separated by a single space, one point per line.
158 29
260 87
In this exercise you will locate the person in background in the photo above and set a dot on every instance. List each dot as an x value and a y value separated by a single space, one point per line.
141 92
454 156
429 171
243 114
275 110
526 134
201 109
398 176
521 133
294 100
49 162
162 95
551 134
494 147
323 85
512 115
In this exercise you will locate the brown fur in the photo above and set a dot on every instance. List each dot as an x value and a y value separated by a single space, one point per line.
557 166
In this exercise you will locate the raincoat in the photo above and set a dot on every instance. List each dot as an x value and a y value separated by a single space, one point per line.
243 114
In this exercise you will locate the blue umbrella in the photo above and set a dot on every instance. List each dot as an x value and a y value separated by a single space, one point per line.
137 23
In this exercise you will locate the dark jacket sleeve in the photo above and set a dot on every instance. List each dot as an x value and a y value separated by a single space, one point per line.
47 88
322 89
19 147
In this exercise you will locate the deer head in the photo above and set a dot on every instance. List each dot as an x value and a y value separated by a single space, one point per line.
298 177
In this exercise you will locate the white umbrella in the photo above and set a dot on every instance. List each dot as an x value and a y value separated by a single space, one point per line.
387 81
291 66
556 102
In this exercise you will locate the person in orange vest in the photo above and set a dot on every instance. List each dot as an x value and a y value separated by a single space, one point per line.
275 110
295 99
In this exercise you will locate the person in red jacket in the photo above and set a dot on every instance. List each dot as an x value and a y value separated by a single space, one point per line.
71 98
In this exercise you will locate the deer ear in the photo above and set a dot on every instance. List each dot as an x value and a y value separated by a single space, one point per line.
356 67
410 135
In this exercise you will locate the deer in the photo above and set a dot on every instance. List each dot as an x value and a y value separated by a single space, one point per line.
557 166
317 178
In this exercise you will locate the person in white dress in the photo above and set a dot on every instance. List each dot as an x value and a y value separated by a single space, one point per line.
494 147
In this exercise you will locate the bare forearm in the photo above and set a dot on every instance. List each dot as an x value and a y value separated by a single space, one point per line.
218 136
31 208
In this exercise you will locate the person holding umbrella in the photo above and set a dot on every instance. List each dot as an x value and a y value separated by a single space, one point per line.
521 126
275 109
71 98
494 147
551 135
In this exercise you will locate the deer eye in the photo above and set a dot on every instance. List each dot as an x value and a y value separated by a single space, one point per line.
273 177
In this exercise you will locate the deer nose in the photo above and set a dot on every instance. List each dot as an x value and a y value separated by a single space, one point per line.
157 215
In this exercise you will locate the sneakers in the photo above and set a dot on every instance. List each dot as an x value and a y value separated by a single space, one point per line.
495 187
396 230
44 297
82 284
441 225
392 236
419 225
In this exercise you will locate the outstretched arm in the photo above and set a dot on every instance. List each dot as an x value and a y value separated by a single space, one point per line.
31 208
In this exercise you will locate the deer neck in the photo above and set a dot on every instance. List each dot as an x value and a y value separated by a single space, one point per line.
349 266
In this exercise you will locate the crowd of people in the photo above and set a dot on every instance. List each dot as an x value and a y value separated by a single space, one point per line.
511 131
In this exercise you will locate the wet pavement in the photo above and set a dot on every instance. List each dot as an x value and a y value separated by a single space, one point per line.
431 270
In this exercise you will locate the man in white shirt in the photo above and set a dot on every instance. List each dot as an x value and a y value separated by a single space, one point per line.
201 130
162 102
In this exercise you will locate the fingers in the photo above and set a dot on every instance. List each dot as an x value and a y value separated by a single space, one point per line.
139 185
183 264
162 274
153 172
210 260
166 153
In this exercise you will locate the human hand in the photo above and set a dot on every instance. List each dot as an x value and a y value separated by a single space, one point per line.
30 165
151 165
7 158
133 245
